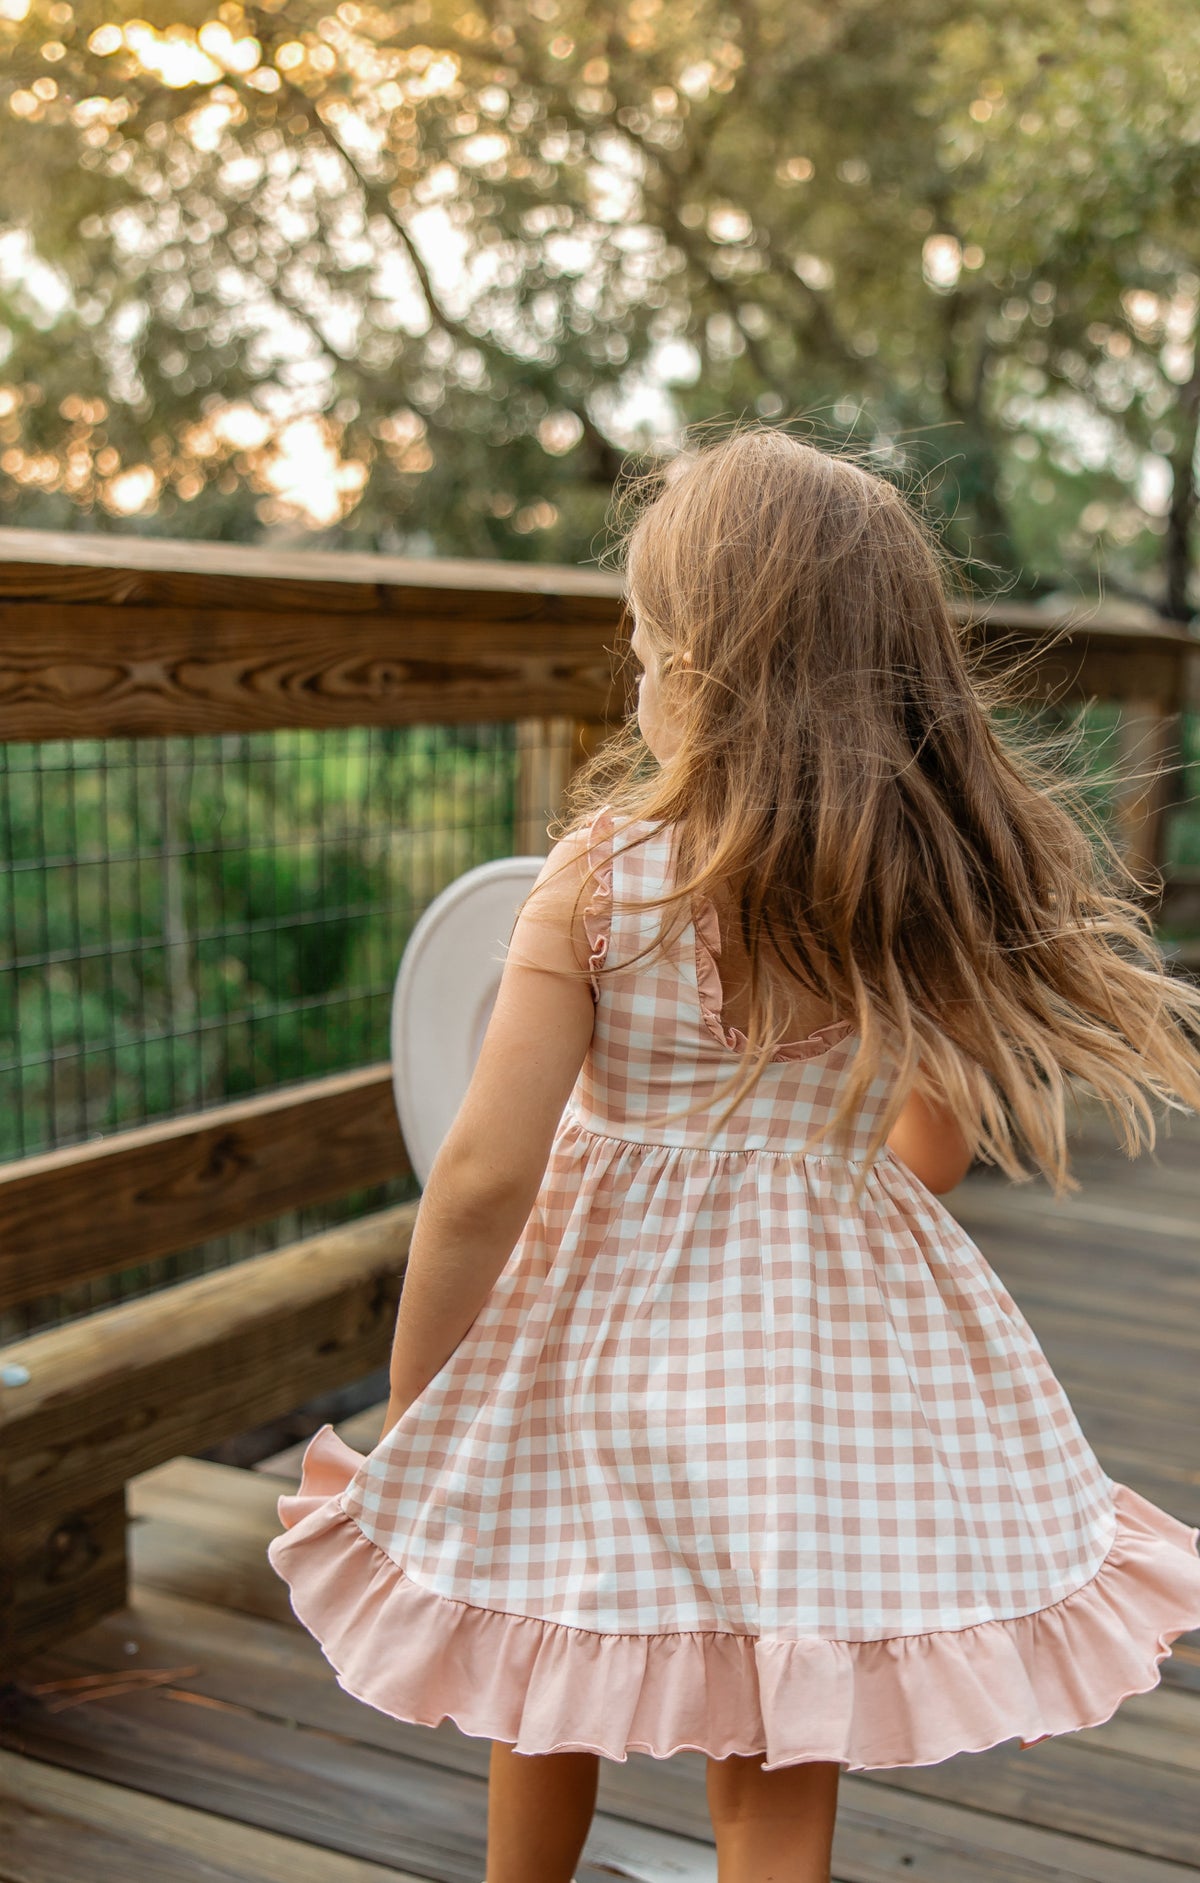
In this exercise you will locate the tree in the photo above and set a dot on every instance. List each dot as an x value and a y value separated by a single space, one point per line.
461 237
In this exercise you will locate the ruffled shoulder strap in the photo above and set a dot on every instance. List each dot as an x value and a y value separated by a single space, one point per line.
597 914
646 857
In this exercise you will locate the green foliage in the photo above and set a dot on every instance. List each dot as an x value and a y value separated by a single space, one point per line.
193 920
464 239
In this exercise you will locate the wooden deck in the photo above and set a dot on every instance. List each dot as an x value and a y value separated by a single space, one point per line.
239 1757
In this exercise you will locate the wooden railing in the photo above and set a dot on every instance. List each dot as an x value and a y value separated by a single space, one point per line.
103 637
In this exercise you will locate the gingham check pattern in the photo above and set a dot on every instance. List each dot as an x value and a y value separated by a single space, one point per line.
708 1393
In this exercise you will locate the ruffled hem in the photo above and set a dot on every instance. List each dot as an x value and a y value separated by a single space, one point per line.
597 912
542 1686
712 995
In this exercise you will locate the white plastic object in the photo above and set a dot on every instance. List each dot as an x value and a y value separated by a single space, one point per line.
445 990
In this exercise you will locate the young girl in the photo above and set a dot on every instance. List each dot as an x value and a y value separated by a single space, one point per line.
710 1428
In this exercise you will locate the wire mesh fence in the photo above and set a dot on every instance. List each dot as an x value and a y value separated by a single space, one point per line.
185 921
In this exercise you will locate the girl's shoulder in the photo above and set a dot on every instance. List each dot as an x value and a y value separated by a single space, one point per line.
624 860
611 829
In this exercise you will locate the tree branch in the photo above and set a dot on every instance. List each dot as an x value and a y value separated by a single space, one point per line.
377 199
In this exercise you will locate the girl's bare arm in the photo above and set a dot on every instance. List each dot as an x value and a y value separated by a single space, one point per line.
490 1165
926 1137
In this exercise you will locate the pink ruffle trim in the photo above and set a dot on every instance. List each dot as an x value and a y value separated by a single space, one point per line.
598 911
541 1686
712 996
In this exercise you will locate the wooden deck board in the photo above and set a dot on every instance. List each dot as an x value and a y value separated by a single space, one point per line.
244 1764
59 1826
259 1765
1075 1787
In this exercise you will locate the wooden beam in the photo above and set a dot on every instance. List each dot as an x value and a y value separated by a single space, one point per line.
160 572
1180 904
69 1572
1095 660
103 671
116 1392
96 671
97 1208
155 571
111 1393
546 756
127 637
1149 759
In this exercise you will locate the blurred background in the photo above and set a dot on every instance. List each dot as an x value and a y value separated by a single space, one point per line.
413 278
417 279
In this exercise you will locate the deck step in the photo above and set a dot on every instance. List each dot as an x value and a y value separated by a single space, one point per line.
361 1430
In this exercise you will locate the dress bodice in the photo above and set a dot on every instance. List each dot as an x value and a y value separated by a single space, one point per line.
659 1042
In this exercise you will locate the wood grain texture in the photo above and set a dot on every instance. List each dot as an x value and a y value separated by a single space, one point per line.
1074 1786
258 1771
145 571
98 671
93 1209
116 1392
547 752
104 637
40 1846
58 1826
59 1574
182 1545
884 1834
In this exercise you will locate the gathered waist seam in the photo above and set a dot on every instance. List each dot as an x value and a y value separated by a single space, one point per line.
706 1150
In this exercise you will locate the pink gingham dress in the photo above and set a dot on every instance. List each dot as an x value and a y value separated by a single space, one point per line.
726 1462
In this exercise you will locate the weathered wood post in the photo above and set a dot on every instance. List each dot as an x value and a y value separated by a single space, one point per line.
548 752
545 760
1150 760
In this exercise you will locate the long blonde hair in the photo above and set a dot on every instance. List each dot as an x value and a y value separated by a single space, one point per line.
935 875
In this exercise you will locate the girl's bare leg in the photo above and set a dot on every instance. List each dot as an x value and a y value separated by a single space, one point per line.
772 1827
540 1808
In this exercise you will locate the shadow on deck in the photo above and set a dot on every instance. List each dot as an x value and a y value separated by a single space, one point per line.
237 1757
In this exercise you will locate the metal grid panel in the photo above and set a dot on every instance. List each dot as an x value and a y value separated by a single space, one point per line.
186 921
